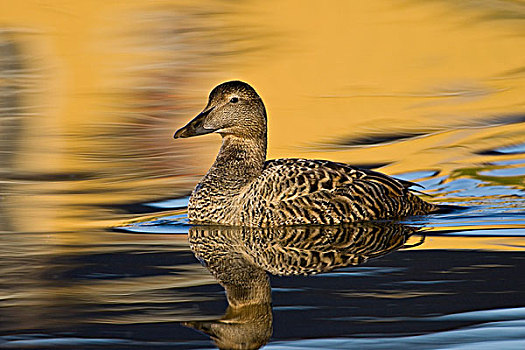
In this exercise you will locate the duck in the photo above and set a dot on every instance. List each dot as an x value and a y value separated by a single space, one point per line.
243 188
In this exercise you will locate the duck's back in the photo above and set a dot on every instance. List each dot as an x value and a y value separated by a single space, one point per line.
303 191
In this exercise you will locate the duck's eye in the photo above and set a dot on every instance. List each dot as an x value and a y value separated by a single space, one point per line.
234 99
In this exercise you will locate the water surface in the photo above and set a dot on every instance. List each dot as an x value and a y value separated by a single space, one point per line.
91 93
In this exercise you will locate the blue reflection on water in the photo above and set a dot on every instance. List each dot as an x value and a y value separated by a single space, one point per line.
514 149
518 171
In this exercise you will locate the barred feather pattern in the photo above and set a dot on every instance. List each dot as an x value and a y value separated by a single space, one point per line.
303 191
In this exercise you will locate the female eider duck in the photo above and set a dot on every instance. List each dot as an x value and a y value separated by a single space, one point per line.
243 188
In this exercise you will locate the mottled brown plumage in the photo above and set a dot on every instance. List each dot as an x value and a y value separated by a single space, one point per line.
241 188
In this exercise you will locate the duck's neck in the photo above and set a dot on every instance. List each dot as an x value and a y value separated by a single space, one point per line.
239 162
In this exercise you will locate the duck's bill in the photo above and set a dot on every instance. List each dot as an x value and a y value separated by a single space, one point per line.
194 127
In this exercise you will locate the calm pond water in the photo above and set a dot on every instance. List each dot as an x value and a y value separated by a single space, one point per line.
96 250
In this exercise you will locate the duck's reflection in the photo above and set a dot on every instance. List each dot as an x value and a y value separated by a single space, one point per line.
239 258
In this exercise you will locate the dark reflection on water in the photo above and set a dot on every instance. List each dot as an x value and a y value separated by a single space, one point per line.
149 290
11 111
239 258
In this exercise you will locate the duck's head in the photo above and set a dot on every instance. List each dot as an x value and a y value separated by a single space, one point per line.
234 108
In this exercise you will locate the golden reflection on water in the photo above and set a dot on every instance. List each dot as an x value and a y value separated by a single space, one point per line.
100 86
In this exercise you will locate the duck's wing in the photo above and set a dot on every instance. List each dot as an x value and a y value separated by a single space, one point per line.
319 191
309 176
